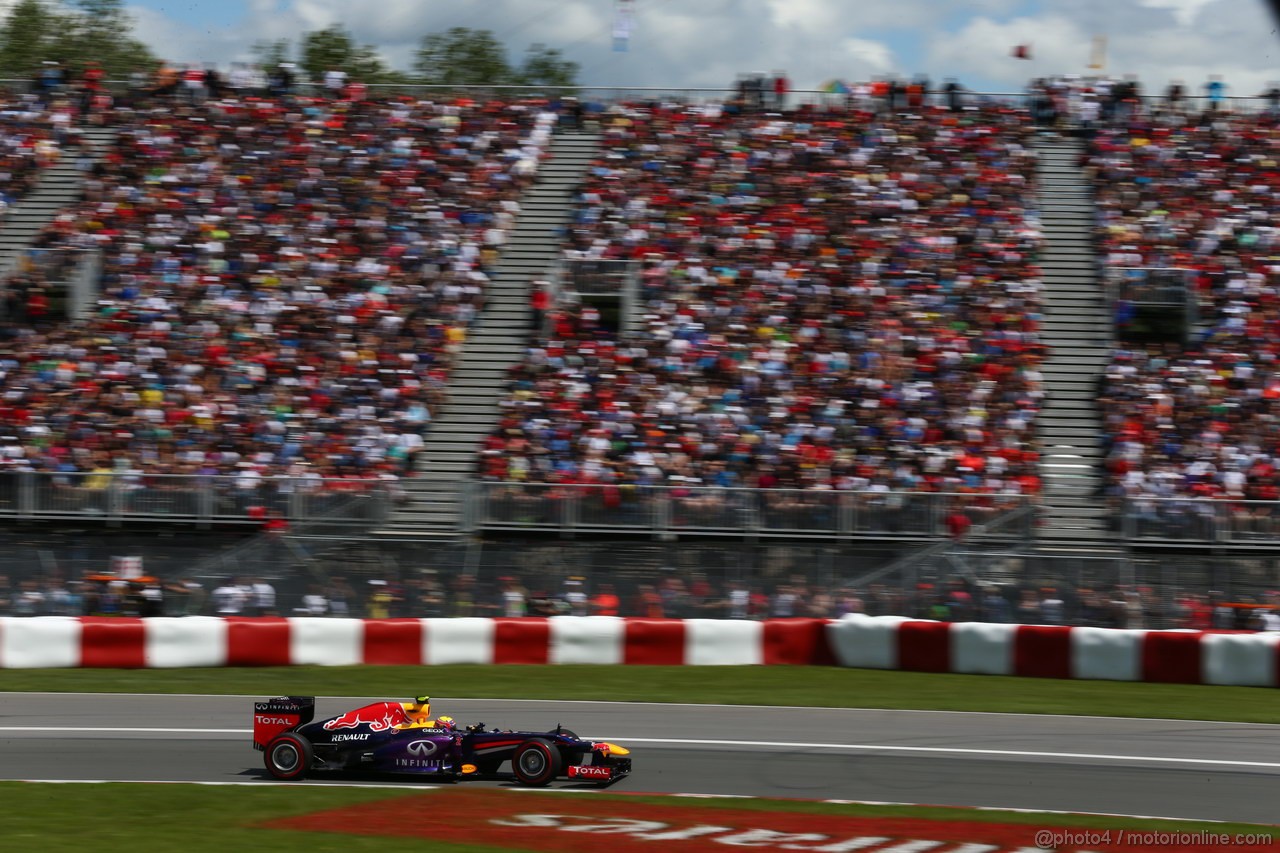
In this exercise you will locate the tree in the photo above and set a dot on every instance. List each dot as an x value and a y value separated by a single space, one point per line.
270 54
25 37
333 48
545 66
100 31
462 57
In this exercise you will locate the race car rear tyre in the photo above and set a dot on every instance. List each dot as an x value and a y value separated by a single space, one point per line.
536 762
288 757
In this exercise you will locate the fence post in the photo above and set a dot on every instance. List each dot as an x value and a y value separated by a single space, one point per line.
26 493
204 503
662 515
115 501
296 505
381 505
571 510
470 497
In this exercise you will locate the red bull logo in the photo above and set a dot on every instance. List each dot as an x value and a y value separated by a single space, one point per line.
379 717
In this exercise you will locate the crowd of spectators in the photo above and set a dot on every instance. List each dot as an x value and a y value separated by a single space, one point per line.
31 138
285 282
1198 193
831 300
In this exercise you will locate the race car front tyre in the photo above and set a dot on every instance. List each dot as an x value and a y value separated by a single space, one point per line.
536 762
289 756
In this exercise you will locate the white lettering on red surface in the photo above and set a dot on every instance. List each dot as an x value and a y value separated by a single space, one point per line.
684 834
652 830
541 820
272 721
617 825
769 838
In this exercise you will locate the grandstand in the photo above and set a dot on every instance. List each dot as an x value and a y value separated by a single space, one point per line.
864 336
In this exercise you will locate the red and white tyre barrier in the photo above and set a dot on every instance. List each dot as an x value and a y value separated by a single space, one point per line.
1051 651
208 641
885 642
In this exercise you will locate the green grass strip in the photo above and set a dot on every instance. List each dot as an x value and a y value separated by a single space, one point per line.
829 687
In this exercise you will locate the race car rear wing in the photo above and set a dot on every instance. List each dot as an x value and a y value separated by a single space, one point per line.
278 715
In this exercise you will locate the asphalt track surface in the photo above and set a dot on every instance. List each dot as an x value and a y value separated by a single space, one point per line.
1163 768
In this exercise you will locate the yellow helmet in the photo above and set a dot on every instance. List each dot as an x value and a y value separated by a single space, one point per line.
446 722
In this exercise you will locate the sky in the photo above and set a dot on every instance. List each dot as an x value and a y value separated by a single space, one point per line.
707 43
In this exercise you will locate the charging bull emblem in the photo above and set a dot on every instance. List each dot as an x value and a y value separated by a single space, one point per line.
379 718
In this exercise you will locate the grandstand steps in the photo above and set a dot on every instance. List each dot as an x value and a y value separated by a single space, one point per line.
60 186
1076 327
479 378
1071 296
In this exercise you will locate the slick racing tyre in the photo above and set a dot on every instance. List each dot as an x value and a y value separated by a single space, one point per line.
536 762
288 757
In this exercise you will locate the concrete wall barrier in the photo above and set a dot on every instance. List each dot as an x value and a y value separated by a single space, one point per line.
49 641
982 649
1107 654
1055 651
128 643
884 642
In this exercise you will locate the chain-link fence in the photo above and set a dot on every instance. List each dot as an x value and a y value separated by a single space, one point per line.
496 576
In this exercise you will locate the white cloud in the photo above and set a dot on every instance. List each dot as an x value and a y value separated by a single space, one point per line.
709 42
1149 39
1184 11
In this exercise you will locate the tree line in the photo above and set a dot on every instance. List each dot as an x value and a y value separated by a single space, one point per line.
74 32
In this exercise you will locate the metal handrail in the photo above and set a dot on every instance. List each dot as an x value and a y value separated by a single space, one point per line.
117 496
667 511
1219 521
945 547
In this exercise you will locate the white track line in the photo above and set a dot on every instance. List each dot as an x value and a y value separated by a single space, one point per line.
947 750
771 745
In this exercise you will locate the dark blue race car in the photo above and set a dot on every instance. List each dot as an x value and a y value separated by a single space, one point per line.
403 738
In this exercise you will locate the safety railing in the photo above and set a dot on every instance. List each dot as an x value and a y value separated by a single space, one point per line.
69 274
1202 521
591 276
119 496
711 511
1158 286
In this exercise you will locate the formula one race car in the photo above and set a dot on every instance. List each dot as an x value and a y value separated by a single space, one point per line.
402 737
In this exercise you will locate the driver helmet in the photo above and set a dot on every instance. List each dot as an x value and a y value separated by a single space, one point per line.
446 723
